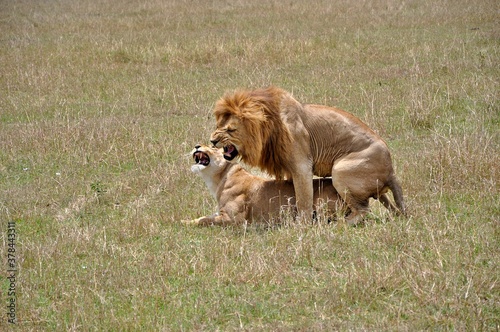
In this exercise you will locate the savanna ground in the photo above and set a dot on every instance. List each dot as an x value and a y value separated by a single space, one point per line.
101 102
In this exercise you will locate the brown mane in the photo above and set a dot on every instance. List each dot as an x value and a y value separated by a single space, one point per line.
259 112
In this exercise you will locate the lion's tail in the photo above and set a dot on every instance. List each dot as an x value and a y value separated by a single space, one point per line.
397 192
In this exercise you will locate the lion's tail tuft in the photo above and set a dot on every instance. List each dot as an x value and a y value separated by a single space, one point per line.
397 192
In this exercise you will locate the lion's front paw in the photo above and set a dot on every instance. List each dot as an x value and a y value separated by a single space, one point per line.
191 222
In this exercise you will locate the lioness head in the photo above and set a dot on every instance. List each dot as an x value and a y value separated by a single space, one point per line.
207 158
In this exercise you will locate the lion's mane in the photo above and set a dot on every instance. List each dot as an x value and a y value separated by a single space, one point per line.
268 141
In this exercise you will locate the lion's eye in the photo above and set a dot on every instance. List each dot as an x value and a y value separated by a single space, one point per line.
230 130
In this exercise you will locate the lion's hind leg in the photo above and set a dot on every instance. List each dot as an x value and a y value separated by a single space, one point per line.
384 199
352 188
356 208
358 212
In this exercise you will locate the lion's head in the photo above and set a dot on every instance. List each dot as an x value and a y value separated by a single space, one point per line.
249 127
207 159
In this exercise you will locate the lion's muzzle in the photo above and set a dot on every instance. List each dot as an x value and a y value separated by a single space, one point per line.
230 152
201 158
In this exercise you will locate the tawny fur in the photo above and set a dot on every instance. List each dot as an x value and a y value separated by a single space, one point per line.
243 197
269 129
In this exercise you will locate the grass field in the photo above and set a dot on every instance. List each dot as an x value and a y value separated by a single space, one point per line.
101 102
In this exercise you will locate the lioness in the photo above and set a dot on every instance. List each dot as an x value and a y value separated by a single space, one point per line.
242 196
269 129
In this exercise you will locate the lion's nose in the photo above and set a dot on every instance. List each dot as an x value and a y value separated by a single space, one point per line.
197 146
214 142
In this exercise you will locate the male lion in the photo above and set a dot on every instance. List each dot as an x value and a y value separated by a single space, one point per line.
269 129
242 196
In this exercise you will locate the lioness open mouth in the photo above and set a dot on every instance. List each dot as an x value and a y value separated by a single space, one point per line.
201 158
230 152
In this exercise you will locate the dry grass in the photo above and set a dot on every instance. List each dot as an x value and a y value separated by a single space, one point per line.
101 102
